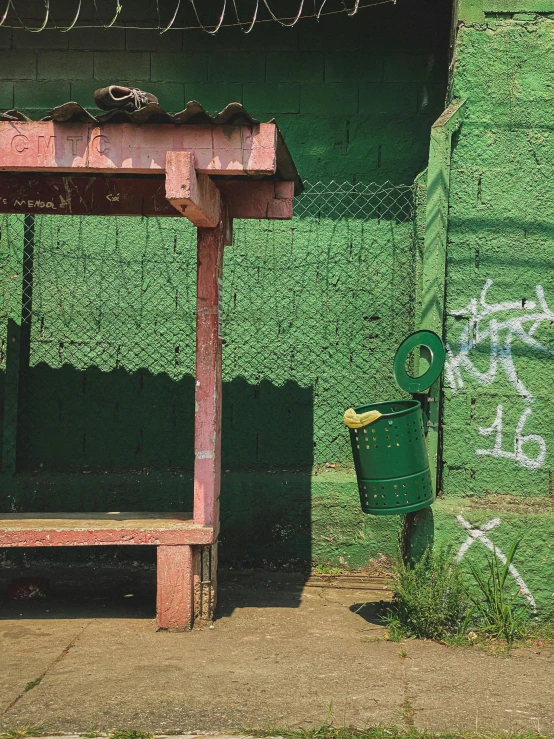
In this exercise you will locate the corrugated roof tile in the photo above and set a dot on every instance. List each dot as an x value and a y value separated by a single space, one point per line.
233 114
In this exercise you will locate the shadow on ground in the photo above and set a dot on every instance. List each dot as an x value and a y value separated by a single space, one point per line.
82 592
86 592
370 612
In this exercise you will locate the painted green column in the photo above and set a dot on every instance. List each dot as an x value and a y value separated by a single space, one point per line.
434 257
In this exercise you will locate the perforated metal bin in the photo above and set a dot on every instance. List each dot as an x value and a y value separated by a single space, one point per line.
391 460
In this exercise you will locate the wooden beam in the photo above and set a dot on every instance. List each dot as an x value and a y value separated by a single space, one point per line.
207 418
134 196
101 529
205 591
259 200
136 149
195 196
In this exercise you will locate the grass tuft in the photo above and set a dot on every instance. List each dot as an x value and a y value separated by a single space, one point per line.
499 614
327 570
33 684
130 734
327 731
19 731
434 598
430 599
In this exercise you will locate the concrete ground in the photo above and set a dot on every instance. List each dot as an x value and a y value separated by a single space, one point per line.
282 653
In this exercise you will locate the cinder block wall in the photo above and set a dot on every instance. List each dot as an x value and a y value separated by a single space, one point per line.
353 95
498 435
500 255
314 308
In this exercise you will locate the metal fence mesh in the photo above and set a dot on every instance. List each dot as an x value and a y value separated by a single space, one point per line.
313 311
364 201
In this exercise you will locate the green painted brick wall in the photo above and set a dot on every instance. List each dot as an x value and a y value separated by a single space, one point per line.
500 255
498 441
314 309
502 520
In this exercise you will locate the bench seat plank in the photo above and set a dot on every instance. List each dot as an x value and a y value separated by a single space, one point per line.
97 529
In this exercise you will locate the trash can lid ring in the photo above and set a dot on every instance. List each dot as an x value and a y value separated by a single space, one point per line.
435 346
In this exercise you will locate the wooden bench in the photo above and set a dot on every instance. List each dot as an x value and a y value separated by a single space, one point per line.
174 534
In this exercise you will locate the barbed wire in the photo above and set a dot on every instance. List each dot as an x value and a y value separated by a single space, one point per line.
229 16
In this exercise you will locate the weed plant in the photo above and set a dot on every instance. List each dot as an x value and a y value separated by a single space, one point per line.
329 731
498 613
430 599
20 731
130 734
434 599
501 612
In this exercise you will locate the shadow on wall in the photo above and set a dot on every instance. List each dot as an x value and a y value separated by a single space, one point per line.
91 440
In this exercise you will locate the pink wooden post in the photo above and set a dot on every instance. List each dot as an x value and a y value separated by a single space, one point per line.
207 421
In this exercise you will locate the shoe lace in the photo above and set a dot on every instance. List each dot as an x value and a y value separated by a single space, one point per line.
139 99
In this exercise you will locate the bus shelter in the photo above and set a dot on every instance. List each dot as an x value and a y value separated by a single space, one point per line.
210 170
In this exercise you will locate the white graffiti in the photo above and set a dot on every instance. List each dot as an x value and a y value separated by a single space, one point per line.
478 533
501 333
484 324
518 455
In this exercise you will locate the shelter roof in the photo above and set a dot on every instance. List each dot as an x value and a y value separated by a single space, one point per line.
193 114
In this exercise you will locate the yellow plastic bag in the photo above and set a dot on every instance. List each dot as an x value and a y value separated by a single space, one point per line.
357 420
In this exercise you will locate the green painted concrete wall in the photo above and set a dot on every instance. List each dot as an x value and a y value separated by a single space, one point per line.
354 97
314 309
499 257
498 441
496 522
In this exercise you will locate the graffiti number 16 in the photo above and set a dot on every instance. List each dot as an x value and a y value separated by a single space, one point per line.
519 440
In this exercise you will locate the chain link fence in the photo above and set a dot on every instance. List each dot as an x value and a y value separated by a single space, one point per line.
97 353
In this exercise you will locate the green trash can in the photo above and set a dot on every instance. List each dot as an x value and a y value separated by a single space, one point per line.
390 457
390 453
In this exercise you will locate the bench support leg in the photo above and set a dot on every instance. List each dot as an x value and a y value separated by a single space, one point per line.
205 593
175 588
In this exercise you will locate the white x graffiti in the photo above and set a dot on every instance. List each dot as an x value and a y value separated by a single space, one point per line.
478 533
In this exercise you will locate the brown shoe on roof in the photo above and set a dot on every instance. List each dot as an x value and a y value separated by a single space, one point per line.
127 98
